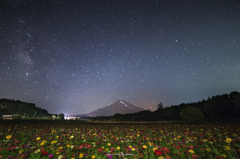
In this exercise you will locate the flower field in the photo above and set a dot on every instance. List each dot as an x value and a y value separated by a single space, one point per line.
103 141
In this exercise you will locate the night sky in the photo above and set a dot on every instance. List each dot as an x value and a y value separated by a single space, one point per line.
73 57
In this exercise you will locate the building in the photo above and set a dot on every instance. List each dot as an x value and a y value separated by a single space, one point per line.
10 117
71 118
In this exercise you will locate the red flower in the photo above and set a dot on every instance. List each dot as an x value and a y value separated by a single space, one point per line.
42 150
165 150
60 150
15 141
218 157
195 156
112 149
200 142
140 155
203 149
99 150
191 147
177 147
158 152
45 153
23 155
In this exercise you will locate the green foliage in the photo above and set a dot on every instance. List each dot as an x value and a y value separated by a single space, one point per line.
192 114
210 110
60 116
49 118
216 108
54 116
8 107
236 98
17 117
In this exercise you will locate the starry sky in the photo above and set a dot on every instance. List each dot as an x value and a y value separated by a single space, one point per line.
72 57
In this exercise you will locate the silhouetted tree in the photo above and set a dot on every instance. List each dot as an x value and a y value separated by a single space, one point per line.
160 106
21 108
214 108
192 115
60 116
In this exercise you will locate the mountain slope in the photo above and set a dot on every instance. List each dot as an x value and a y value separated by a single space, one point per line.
120 106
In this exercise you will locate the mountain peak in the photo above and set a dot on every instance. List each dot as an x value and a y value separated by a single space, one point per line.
120 106
121 102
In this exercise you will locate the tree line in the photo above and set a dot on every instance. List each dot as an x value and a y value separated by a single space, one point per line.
215 108
23 109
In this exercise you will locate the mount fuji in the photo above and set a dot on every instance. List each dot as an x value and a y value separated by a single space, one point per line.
120 106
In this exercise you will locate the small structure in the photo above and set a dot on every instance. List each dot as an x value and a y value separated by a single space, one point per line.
72 118
10 117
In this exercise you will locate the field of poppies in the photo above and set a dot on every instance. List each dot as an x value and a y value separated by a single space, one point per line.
103 141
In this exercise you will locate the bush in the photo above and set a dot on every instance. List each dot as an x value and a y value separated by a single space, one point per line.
192 115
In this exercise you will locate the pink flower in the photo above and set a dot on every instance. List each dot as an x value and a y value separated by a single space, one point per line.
109 156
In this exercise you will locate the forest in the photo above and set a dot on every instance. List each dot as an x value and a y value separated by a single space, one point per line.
23 109
215 108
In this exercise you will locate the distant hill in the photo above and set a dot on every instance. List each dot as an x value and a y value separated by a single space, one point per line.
8 107
120 106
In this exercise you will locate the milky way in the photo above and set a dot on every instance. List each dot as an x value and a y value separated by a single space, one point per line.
73 57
